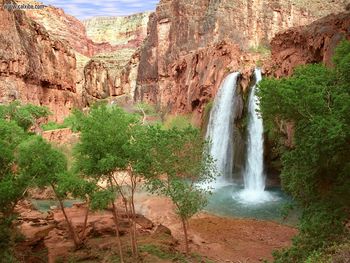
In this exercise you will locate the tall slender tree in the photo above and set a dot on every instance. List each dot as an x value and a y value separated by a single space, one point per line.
182 170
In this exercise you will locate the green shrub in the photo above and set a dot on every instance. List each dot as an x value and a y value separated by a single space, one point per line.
73 121
147 108
24 115
156 251
208 108
178 121
316 168
51 125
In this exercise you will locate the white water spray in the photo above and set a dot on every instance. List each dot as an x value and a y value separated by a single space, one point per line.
219 130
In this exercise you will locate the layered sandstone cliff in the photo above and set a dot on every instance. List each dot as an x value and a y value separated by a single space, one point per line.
309 44
178 62
192 45
68 29
35 68
109 42
124 30
127 35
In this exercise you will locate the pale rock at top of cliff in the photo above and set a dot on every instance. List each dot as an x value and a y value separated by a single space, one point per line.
109 42
119 30
62 26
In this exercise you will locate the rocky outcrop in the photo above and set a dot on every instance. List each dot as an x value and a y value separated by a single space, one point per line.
192 45
123 31
127 35
103 47
35 68
50 230
68 29
64 27
192 79
97 81
309 44
61 136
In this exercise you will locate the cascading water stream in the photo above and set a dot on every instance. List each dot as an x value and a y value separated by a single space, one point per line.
219 131
229 197
254 177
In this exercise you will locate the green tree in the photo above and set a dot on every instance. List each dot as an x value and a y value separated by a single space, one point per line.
72 184
12 185
316 100
47 166
101 153
180 163
24 115
15 120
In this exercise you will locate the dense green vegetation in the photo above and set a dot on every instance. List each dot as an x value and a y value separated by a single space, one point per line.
177 121
316 168
181 156
171 159
72 122
112 143
15 122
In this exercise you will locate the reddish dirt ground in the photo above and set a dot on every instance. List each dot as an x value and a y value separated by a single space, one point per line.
239 240
218 238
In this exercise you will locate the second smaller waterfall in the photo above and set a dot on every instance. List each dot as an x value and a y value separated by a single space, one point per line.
254 177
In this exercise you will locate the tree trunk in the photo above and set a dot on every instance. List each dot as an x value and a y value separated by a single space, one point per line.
69 223
184 225
82 237
133 231
130 223
116 222
70 226
133 188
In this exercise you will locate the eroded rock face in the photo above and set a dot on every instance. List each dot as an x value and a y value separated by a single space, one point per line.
97 81
103 47
126 34
122 31
63 27
35 68
192 79
192 45
61 137
310 44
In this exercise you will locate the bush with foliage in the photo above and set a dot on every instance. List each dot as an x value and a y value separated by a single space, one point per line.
316 169
181 158
113 141
178 121
26 161
24 115
72 122
15 121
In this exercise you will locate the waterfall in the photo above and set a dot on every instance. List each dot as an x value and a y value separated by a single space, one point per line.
254 177
220 128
